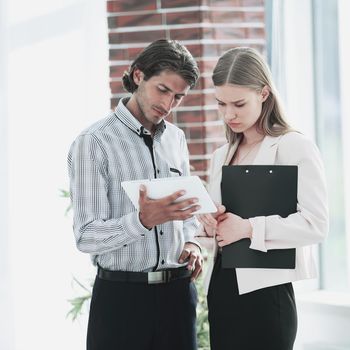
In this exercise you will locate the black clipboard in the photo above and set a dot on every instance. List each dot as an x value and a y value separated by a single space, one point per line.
258 190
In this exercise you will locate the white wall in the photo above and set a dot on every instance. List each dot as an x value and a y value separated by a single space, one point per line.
6 305
58 85
344 48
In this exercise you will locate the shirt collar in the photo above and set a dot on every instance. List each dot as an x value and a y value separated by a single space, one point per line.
125 116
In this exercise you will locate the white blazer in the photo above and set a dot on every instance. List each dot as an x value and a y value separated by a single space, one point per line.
309 225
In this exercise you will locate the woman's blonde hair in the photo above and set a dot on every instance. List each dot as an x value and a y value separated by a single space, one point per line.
244 66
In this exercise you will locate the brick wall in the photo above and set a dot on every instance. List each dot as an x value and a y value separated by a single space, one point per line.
207 28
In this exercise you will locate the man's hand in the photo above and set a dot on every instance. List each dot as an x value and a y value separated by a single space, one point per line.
157 211
209 221
232 228
193 255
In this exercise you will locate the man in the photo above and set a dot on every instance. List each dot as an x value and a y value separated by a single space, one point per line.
143 296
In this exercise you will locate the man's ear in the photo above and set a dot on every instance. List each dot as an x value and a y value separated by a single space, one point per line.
265 92
137 76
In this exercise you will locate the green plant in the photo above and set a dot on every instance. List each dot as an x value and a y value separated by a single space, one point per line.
66 194
202 317
78 303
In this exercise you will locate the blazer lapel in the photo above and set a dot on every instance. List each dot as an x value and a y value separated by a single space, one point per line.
231 152
215 176
267 151
266 154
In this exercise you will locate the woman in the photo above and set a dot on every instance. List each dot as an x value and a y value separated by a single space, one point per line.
255 308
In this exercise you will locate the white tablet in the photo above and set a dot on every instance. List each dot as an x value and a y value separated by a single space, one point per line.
162 187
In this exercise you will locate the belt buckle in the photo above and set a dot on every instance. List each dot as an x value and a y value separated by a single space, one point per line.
157 277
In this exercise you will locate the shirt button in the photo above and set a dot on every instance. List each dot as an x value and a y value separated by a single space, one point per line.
158 171
161 233
163 262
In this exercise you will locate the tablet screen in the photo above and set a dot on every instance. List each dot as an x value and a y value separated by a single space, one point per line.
162 187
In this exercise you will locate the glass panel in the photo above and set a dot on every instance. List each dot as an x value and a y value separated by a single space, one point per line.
328 134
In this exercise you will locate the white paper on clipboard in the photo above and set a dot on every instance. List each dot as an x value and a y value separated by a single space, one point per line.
162 187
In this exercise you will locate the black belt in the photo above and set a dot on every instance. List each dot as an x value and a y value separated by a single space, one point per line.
154 277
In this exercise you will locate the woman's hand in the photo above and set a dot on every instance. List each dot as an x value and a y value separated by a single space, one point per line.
232 228
209 221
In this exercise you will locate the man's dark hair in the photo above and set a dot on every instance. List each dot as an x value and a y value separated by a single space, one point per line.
159 56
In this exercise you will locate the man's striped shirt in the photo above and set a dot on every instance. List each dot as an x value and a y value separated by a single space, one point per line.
106 224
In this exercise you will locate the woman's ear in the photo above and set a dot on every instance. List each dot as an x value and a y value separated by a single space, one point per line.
265 92
137 76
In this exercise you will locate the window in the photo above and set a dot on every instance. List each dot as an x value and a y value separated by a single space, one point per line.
328 121
306 63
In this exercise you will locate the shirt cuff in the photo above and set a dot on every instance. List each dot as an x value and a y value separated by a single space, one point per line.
258 233
132 225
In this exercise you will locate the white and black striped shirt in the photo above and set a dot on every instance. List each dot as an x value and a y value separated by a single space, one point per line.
106 224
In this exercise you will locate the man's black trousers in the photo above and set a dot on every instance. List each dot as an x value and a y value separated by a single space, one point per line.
140 316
